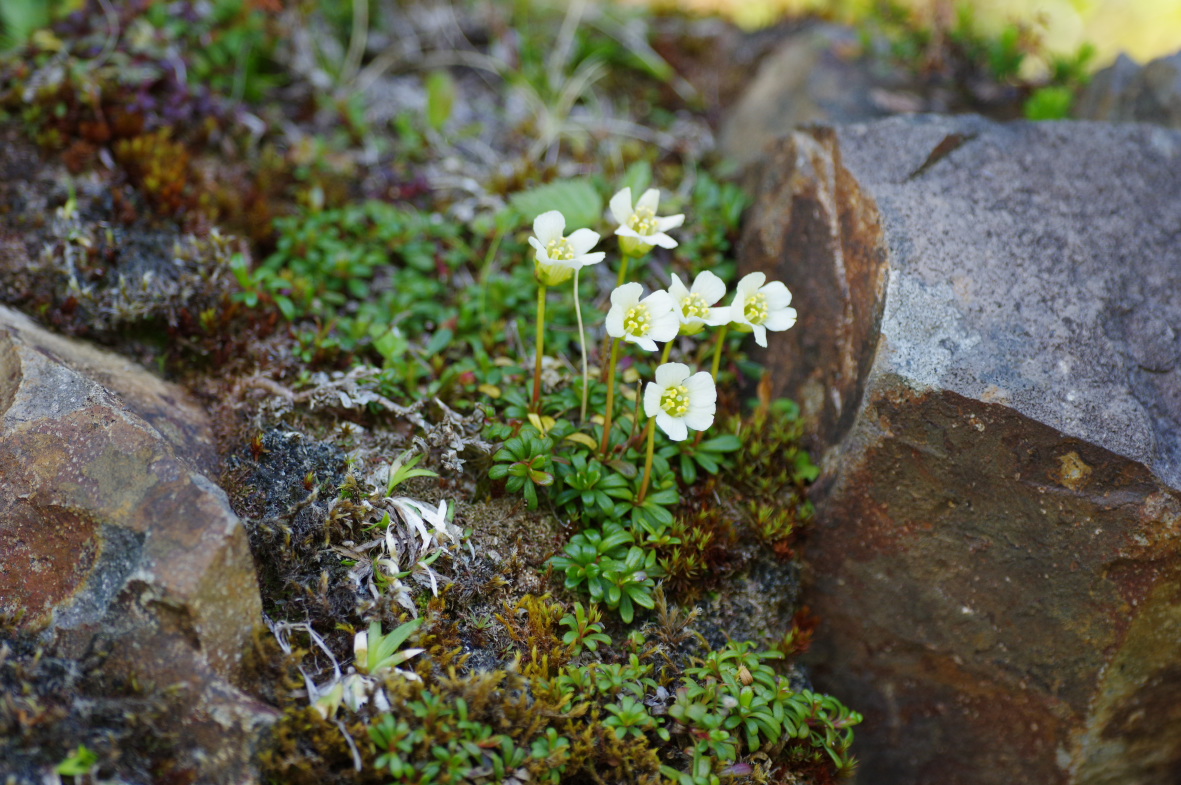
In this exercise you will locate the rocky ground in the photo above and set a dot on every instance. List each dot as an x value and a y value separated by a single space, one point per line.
279 503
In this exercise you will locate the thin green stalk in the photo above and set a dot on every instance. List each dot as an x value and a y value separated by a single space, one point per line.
640 388
636 411
622 270
718 350
610 397
648 460
485 271
582 346
541 290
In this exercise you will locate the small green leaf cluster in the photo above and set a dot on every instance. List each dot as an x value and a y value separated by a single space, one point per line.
570 705
613 568
589 485
461 748
327 259
585 629
383 650
733 702
525 462
339 274
708 456
617 555
774 461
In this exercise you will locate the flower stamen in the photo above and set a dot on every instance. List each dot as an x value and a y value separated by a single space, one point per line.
638 320
675 401
756 309
560 250
643 221
694 307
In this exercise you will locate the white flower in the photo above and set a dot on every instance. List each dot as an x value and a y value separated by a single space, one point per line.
643 322
559 256
758 307
679 401
694 305
639 226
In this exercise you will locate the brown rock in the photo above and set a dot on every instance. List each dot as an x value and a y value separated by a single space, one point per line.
113 541
987 354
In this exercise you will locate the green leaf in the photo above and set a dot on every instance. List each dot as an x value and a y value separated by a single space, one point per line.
637 177
724 443
625 468
81 761
382 648
439 341
1049 103
391 345
577 200
440 98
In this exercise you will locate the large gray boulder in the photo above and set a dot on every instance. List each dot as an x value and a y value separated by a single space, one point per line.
815 76
1127 91
988 354
117 550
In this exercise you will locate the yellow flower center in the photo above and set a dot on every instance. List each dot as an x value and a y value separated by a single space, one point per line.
694 307
560 250
638 320
643 221
755 310
675 401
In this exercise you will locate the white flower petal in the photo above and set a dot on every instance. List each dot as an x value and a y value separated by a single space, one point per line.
674 427
678 290
650 199
709 286
669 222
661 239
621 206
652 393
614 323
718 316
665 327
659 303
748 286
582 241
542 255
627 231
592 258
644 342
760 334
699 420
780 320
549 226
777 295
671 374
627 295
702 390
738 310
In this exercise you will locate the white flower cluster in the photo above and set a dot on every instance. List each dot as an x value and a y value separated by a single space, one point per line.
677 399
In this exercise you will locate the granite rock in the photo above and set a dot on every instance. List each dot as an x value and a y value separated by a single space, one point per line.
114 543
987 354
